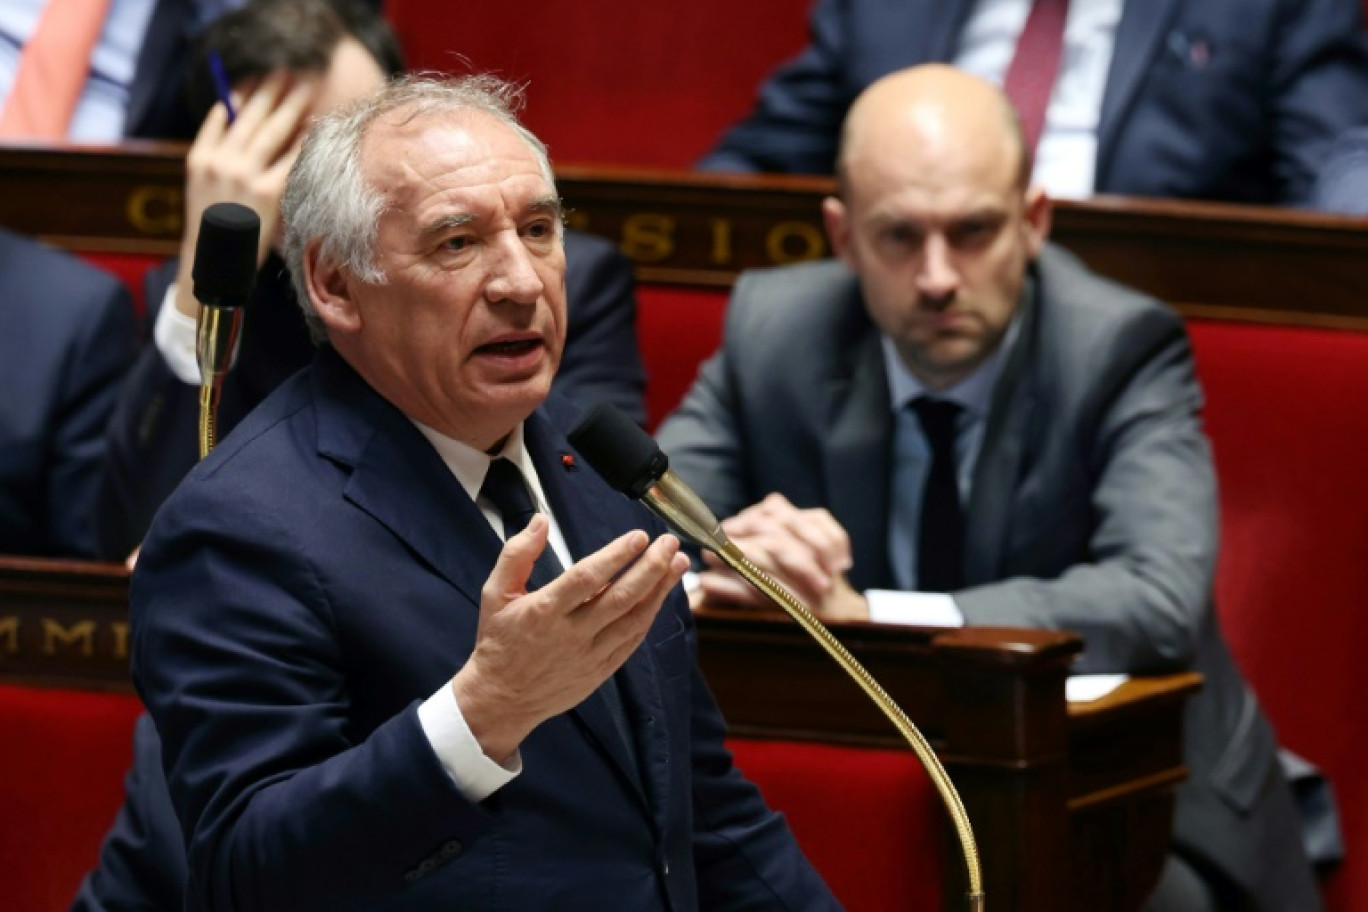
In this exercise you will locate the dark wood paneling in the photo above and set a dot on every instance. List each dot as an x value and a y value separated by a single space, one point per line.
1228 262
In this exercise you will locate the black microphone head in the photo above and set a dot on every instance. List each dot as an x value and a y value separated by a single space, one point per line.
226 255
618 449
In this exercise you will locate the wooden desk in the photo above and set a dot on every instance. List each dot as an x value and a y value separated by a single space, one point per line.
1072 806
1226 262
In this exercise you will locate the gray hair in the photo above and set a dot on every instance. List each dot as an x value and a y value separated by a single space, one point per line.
327 198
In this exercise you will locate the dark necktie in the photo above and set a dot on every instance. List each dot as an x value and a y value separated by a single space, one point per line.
1031 75
940 533
505 488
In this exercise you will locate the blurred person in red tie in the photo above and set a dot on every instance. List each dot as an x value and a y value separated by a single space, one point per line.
1230 100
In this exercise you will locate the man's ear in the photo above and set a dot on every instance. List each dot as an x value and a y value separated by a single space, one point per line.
837 220
331 292
1039 217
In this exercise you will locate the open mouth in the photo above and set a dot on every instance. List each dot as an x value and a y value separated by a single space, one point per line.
510 347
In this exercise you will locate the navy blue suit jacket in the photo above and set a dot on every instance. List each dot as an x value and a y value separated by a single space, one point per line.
1236 100
152 438
68 339
316 578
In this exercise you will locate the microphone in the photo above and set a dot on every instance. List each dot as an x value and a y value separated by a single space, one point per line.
631 462
224 273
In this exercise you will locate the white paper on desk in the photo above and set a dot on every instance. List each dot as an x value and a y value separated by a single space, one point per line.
1086 688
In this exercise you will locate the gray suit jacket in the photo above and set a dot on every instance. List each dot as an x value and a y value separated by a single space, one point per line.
1093 507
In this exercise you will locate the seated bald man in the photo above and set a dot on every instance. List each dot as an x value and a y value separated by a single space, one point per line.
957 423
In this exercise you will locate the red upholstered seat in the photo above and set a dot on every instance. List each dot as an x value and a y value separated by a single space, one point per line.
678 328
611 82
1290 431
61 782
868 820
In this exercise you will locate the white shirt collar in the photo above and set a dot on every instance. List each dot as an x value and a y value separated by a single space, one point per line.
470 465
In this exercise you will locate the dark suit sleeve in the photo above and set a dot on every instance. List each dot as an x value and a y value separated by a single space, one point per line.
1342 185
1318 90
100 356
151 441
602 360
251 699
798 111
1142 597
142 861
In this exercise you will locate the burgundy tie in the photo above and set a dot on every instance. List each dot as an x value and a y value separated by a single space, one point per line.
1031 76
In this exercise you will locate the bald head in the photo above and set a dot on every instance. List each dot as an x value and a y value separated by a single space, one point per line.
934 217
938 118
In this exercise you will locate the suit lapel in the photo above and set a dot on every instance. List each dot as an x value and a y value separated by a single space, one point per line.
1139 38
400 480
1001 454
590 515
437 520
857 464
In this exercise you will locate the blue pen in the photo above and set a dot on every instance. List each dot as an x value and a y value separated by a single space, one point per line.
221 87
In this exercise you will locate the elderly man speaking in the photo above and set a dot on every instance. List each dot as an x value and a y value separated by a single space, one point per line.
403 648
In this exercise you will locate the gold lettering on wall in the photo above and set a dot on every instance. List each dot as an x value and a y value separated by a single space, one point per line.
577 219
82 635
155 210
721 240
120 629
648 237
9 635
791 242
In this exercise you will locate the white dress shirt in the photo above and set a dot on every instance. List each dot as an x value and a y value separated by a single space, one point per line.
1066 159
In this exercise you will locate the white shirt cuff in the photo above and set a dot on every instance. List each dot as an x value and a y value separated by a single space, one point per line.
464 760
913 609
174 335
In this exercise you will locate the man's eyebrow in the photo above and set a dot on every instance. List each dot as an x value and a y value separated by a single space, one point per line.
547 205
447 223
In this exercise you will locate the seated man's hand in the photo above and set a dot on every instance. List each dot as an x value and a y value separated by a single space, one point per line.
244 162
806 550
539 654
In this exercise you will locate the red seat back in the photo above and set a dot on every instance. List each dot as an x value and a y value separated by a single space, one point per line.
61 782
868 820
1290 431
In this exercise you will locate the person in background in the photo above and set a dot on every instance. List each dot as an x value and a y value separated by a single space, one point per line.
1231 100
68 340
405 650
958 423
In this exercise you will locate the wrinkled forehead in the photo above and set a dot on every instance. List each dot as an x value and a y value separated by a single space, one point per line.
404 153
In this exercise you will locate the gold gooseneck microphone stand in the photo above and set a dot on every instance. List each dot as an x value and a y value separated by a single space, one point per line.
630 461
216 337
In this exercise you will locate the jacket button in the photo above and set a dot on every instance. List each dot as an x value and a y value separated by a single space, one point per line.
452 847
